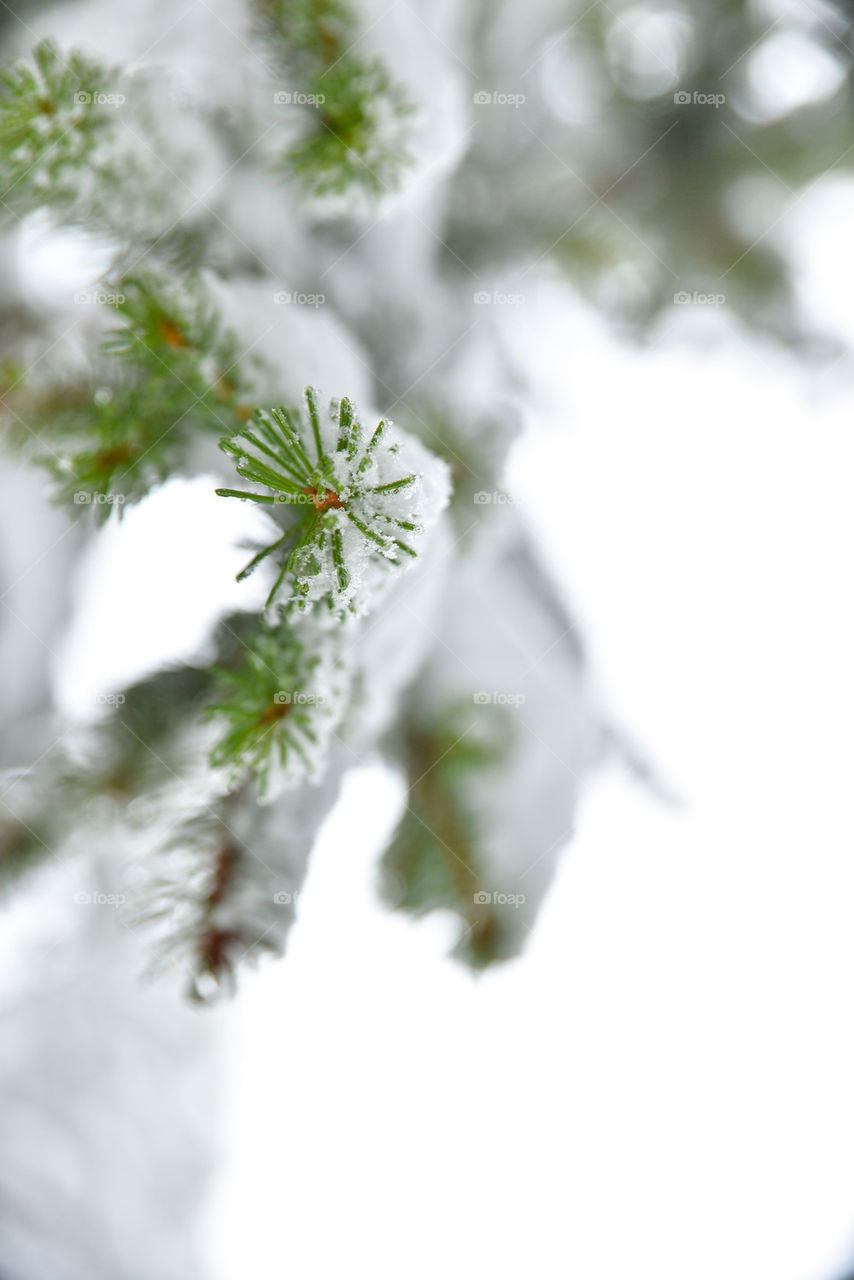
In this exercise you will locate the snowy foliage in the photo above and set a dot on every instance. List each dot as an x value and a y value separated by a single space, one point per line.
94 145
282 705
288 235
363 513
354 113
267 190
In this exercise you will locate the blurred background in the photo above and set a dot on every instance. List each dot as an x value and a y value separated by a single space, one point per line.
648 206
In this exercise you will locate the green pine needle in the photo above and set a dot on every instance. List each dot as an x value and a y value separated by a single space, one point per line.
328 491
354 112
54 112
279 708
167 370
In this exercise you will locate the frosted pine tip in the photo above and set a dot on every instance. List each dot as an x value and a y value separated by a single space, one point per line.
329 502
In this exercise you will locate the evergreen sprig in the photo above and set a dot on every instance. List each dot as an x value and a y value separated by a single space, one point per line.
351 497
188 895
436 857
208 945
167 370
280 707
54 113
98 146
355 113
174 321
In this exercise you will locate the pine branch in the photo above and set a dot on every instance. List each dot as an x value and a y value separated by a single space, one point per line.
125 758
187 903
436 859
281 706
53 117
167 372
221 890
84 140
355 113
350 500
